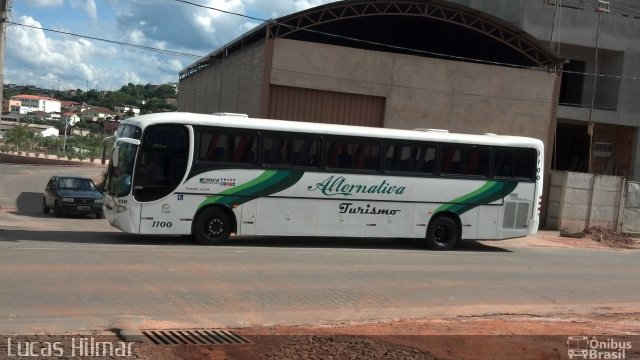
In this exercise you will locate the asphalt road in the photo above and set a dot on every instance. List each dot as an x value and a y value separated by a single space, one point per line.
74 274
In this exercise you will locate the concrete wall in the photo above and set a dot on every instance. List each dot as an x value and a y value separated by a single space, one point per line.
578 201
425 92
42 159
231 84
631 217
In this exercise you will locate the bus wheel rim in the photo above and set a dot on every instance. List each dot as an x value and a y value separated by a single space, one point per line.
214 227
441 235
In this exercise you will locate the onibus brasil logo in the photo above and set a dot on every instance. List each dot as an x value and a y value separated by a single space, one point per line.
583 347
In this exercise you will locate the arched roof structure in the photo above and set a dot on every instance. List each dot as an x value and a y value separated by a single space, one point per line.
430 28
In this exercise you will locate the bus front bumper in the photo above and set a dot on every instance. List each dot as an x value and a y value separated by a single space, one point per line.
120 220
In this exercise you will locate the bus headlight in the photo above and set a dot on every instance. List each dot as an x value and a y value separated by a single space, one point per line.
120 208
67 199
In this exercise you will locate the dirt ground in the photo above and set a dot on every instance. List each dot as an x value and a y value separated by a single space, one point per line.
501 337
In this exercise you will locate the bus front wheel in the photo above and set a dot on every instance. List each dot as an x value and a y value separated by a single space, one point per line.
442 233
212 227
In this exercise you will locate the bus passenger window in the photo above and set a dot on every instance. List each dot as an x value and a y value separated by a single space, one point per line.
503 163
212 146
526 163
465 160
415 158
275 150
357 155
305 152
451 157
244 148
478 161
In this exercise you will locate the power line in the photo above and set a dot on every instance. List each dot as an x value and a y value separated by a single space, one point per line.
222 11
195 56
141 47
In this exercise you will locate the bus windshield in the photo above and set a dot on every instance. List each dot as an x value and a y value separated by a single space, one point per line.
118 182
162 161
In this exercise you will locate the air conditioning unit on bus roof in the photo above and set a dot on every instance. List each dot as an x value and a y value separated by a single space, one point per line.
432 130
230 114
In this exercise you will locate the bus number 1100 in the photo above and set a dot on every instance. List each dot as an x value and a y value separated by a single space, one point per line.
162 224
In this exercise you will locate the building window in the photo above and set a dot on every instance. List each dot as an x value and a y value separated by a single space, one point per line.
572 84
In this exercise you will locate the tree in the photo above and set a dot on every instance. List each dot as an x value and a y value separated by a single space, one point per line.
20 136
164 92
119 97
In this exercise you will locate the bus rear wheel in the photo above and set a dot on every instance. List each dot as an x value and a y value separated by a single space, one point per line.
212 227
442 233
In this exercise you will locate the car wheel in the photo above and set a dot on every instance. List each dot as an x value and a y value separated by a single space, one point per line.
100 215
442 233
45 208
212 227
57 210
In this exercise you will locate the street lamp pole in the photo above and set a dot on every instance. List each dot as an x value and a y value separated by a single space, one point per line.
64 143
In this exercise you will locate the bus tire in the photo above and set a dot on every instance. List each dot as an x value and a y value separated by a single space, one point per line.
212 227
442 233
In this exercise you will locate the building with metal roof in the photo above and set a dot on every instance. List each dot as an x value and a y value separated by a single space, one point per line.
396 64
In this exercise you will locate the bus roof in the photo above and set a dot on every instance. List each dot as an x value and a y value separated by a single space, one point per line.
241 122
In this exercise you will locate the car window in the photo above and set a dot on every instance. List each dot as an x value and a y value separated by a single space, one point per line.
76 184
65 184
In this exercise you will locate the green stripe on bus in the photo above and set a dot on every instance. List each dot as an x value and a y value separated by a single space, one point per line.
269 182
486 194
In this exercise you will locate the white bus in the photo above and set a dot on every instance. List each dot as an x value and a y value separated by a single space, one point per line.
213 175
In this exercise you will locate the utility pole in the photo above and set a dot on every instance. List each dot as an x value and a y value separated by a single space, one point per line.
603 7
4 10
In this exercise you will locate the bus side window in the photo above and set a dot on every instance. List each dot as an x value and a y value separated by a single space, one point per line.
450 160
345 160
333 152
273 150
503 163
429 165
526 163
212 146
478 161
218 154
244 148
417 158
304 151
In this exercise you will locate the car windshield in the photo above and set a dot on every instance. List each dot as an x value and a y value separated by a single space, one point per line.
76 184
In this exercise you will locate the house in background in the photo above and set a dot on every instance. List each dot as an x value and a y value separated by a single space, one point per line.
30 103
70 118
125 111
9 105
95 114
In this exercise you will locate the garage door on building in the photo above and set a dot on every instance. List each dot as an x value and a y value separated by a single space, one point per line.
310 105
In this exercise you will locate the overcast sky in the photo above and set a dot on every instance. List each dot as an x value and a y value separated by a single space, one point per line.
57 61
